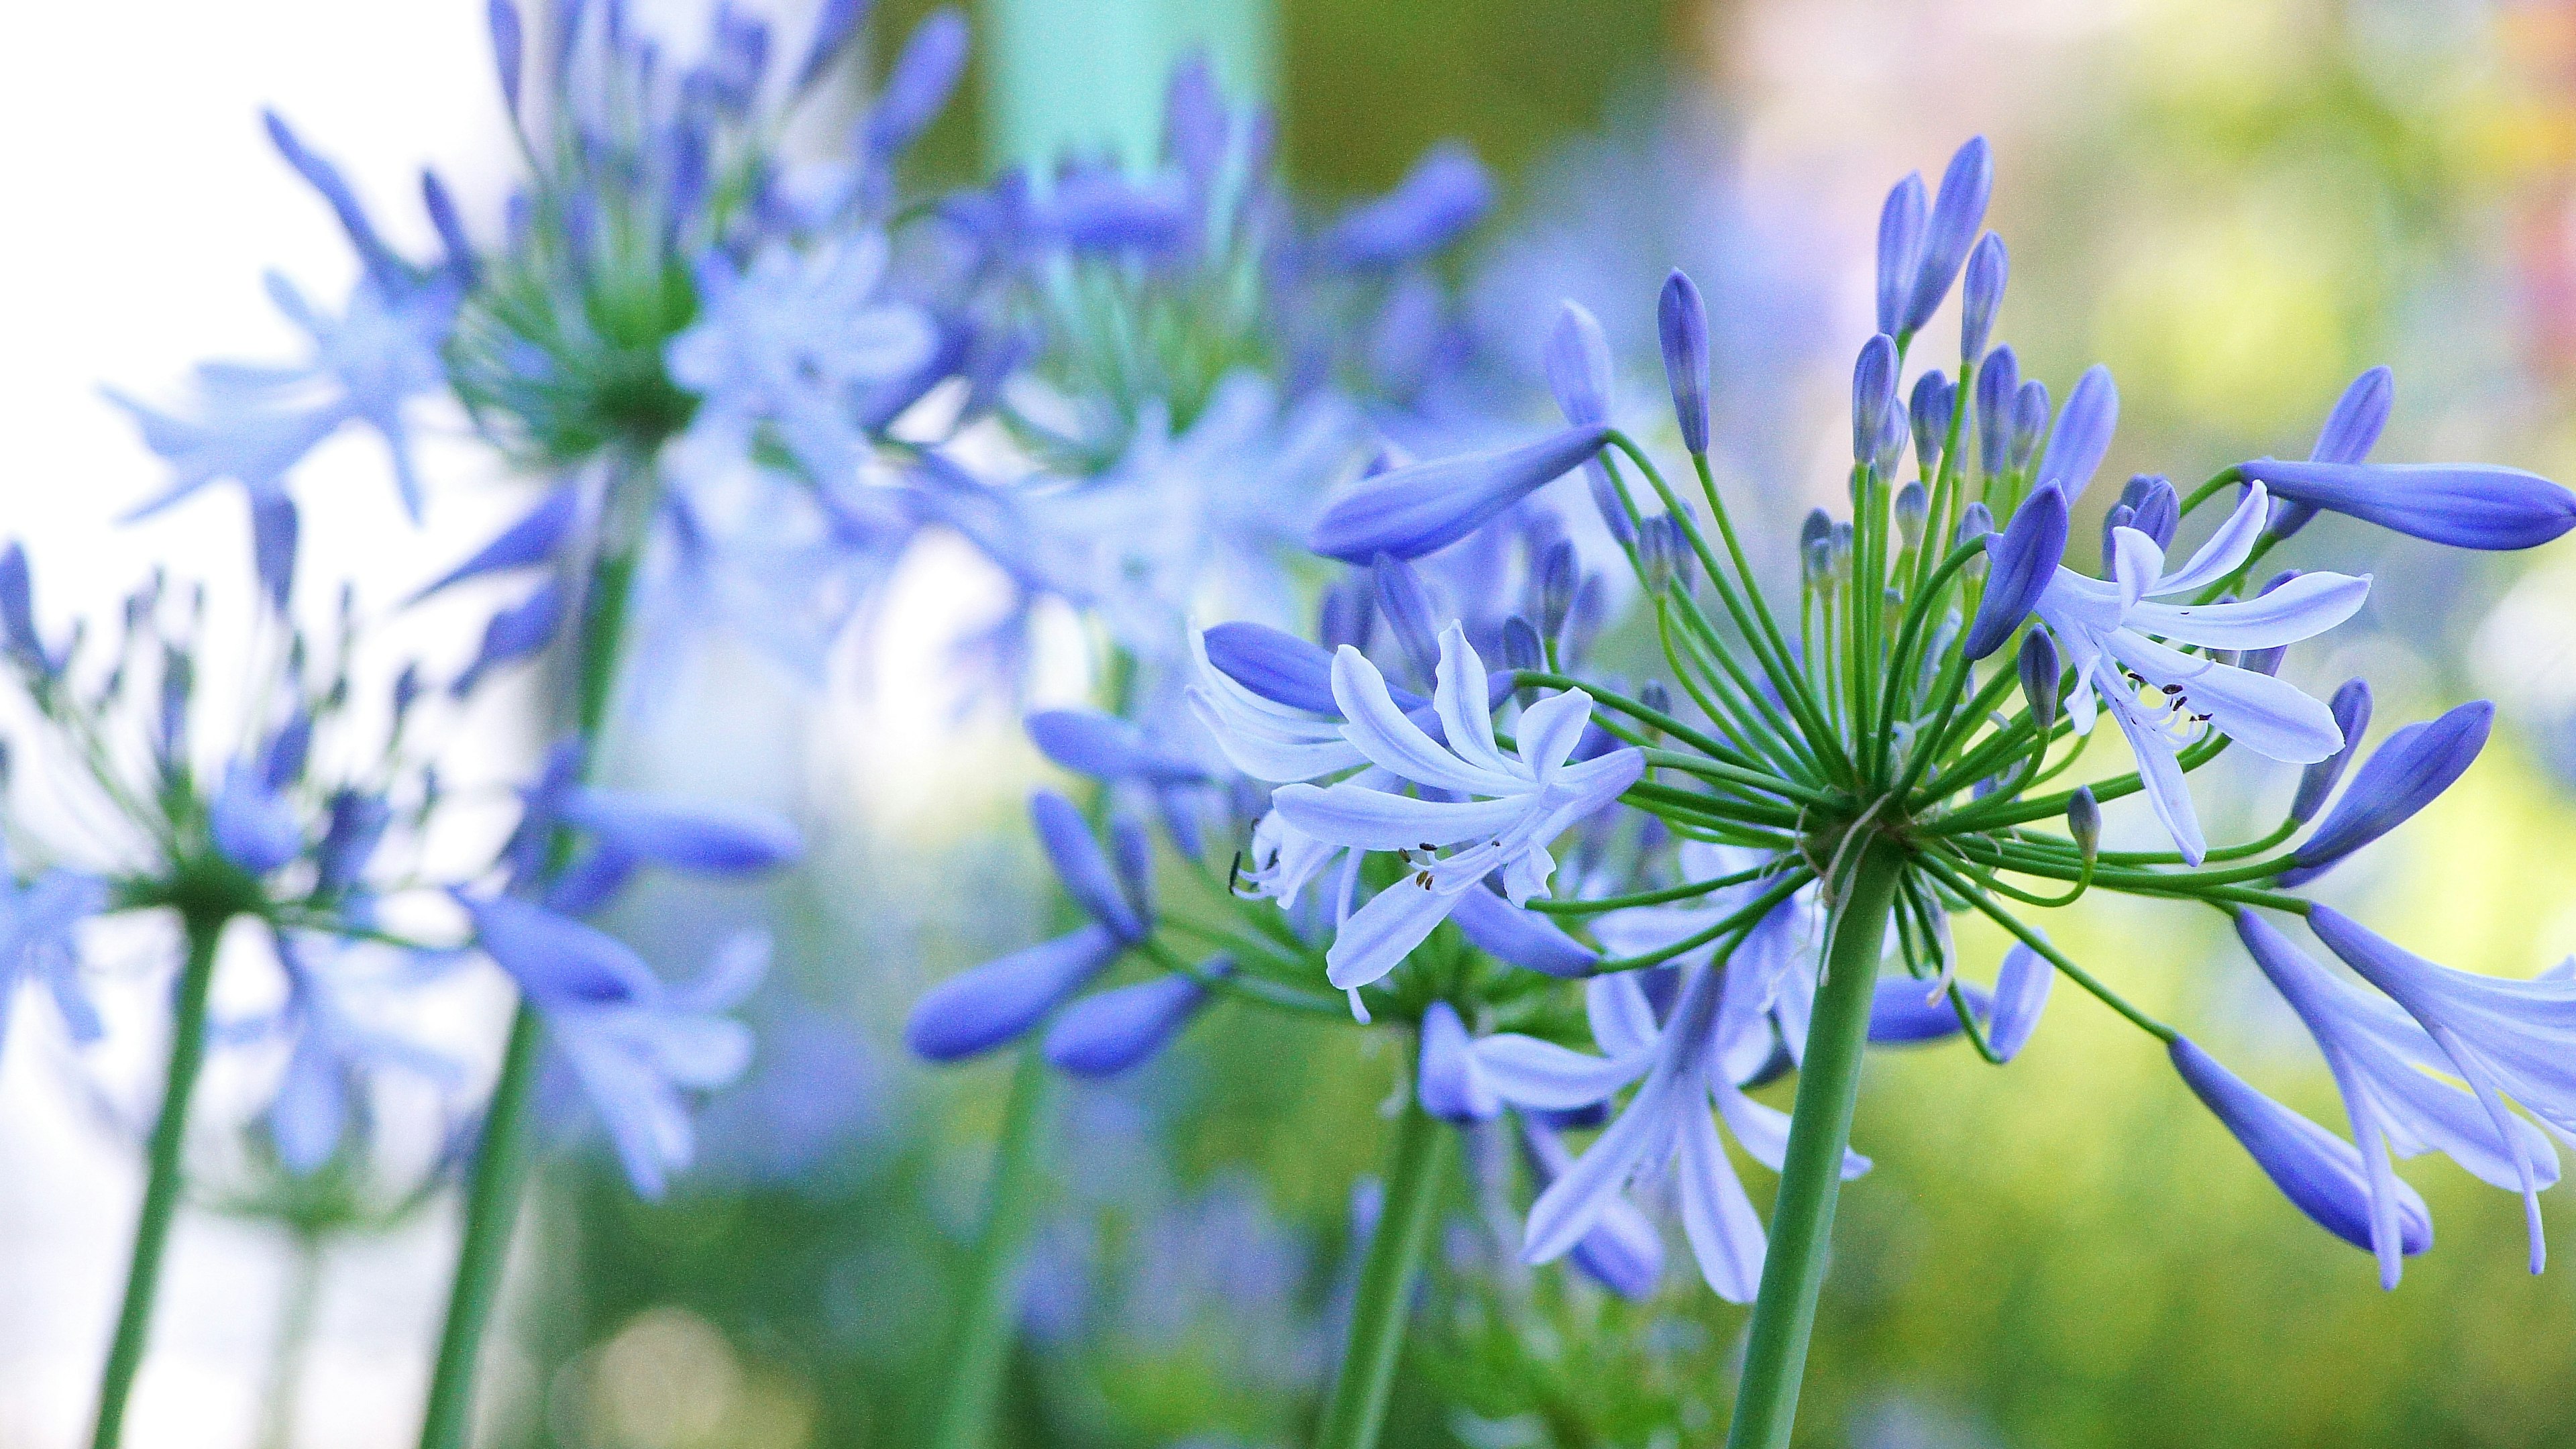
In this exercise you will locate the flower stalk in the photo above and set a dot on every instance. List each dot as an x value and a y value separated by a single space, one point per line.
1417 1167
166 1174
1802 1216
981 1348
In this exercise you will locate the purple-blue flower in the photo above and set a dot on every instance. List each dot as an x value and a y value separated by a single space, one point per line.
2465 505
1110 1031
2320 1173
2024 558
2408 772
1413 510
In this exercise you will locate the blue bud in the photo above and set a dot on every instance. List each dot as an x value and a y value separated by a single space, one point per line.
358 822
18 613
2030 421
696 837
2320 1173
1278 666
1975 522
1108 1032
2352 429
449 223
2025 557
1681 319
1522 937
1577 362
2083 433
1521 646
1106 747
1664 555
2021 994
1448 1082
1413 510
509 47
2407 773
1558 583
979 1009
2084 821
1956 217
515 633
1445 193
1405 603
1998 390
1912 506
282 759
1105 211
2121 516
534 539
1988 267
1131 851
917 88
1929 412
1873 396
2465 505
1347 614
2351 706
1083 867
250 824
383 267
272 545
1900 251
2040 671
1905 1012
832 30
556 960
2158 511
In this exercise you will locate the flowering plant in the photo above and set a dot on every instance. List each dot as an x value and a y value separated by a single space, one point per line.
1759 873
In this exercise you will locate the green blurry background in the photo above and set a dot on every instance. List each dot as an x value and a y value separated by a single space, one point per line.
2237 204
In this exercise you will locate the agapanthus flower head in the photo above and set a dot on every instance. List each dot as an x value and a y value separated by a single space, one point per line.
1751 862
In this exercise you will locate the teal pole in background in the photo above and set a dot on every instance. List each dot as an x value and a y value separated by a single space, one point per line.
1088 74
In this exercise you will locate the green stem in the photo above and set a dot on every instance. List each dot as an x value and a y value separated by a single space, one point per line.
162 1187
491 1210
500 1168
980 1349
1802 1216
294 1339
1356 1411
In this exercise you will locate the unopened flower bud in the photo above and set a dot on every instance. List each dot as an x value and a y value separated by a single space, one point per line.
1521 647
1988 267
1913 505
1873 396
1682 323
1930 414
2039 668
2084 822
1656 697
2158 511
1556 582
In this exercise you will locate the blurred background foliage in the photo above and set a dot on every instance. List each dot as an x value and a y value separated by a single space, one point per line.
2238 204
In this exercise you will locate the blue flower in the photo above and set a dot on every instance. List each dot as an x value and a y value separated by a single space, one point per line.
635 1045
1956 216
2380 1060
981 1008
2350 431
1111 1031
797 343
2465 505
2024 559
253 827
2320 1173
1444 194
252 424
2509 1040
2408 772
2082 434
37 921
1412 510
336 1050
1622 1252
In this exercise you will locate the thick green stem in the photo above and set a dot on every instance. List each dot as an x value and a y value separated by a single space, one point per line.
491 1211
1356 1411
1802 1216
162 1187
982 1344
294 1339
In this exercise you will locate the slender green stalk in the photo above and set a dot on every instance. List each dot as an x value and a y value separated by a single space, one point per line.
491 1211
161 1188
500 1169
294 1341
981 1346
1802 1216
1415 1174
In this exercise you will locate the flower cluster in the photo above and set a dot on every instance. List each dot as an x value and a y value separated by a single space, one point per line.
1751 866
